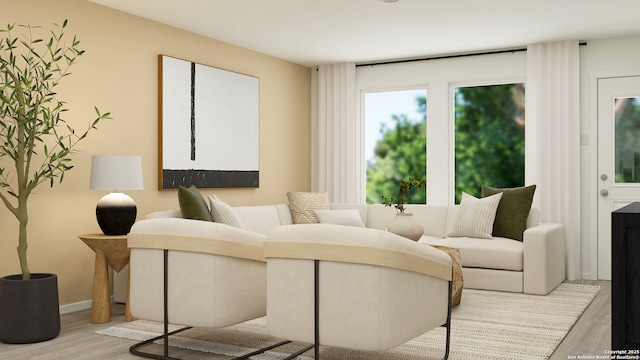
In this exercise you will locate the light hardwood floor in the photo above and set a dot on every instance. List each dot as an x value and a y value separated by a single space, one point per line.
591 335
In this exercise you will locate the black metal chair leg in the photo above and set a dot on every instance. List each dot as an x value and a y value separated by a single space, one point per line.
260 351
165 334
134 348
316 317
299 352
448 325
316 309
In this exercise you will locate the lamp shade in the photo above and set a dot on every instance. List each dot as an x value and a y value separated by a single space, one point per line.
116 172
116 212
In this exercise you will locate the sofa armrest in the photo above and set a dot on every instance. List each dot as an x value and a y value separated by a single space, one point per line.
161 214
197 236
544 258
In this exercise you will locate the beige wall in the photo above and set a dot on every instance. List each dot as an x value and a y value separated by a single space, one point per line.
118 73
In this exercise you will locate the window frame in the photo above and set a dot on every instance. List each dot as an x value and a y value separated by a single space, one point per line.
438 77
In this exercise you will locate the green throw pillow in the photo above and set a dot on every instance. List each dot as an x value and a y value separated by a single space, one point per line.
192 204
513 210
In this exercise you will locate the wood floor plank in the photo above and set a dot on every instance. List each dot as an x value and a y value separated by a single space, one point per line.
591 335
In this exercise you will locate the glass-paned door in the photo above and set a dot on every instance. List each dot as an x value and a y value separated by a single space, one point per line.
618 157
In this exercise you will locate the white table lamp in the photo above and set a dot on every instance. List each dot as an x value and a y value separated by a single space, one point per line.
116 212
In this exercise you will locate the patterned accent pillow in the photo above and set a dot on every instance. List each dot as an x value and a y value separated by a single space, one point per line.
222 213
476 216
303 204
192 204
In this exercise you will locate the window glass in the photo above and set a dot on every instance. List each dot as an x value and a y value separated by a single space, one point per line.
489 137
627 140
395 142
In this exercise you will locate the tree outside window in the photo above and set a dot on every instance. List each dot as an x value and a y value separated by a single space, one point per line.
489 137
489 124
400 149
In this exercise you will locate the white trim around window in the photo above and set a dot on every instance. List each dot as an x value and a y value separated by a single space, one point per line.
439 77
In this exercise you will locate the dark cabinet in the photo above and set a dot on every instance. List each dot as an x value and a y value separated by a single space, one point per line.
625 278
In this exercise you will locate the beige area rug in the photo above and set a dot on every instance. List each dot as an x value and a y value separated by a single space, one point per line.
486 325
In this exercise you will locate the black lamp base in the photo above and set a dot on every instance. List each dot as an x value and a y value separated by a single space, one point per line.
116 213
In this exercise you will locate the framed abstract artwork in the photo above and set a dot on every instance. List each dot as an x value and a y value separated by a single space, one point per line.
209 128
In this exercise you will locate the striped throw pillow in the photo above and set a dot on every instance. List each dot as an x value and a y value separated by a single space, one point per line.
476 216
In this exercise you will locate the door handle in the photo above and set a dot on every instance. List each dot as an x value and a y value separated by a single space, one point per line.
604 192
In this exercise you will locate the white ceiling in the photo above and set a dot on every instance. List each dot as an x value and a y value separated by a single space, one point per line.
314 32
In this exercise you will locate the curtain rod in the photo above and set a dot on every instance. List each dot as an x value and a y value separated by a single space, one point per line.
452 56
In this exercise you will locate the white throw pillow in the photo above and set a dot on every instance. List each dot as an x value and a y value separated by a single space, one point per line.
349 217
222 213
476 216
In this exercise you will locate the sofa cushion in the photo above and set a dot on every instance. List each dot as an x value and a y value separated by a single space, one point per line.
348 217
223 213
497 253
452 214
429 239
476 216
433 218
303 205
284 213
513 210
260 218
192 204
362 208
379 215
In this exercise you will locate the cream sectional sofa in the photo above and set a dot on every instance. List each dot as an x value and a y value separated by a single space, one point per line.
535 265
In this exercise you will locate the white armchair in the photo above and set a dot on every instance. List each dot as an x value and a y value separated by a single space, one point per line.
214 274
354 288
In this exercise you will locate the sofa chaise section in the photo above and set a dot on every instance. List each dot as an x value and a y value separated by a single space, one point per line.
535 265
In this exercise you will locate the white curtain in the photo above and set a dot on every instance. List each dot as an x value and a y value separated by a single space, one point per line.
339 135
553 139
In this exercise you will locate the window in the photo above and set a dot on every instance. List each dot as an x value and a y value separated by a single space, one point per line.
489 137
395 142
627 146
439 79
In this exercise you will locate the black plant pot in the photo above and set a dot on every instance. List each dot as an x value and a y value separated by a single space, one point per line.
29 309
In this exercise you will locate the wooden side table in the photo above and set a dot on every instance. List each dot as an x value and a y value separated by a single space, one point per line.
458 281
111 250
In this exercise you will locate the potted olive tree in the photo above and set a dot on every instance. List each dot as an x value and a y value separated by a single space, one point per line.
36 146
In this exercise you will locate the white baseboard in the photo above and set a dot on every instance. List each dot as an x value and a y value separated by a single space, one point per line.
82 305
587 276
69 308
